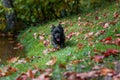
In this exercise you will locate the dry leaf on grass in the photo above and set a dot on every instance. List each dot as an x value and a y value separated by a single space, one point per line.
52 61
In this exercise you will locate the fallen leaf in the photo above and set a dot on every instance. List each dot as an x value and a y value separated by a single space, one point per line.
80 45
44 76
98 58
88 35
106 25
80 76
96 67
79 18
41 38
75 62
97 18
87 75
116 41
117 35
107 40
8 70
35 35
52 61
62 66
31 73
113 22
72 34
13 59
46 42
109 52
23 76
48 50
99 32
115 15
106 71
116 77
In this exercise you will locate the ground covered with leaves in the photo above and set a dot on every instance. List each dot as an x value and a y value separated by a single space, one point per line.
92 49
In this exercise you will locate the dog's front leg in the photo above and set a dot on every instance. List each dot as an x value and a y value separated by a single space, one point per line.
62 45
54 44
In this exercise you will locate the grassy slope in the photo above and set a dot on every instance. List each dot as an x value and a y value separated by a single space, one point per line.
35 47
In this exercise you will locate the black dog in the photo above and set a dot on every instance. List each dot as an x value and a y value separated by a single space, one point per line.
58 36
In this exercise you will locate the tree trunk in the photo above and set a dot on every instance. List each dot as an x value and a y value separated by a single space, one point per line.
10 15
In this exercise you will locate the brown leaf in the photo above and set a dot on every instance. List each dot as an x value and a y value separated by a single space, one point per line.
44 76
41 38
32 73
75 61
88 35
106 71
21 61
13 59
117 41
80 76
117 35
70 75
46 42
23 76
52 61
80 45
62 66
115 15
113 22
8 71
48 50
97 58
87 75
97 18
106 25
116 77
96 67
72 34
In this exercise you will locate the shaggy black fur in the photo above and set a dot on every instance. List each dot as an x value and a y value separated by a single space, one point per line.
58 36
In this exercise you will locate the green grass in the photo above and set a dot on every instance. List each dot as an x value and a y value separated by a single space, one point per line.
35 47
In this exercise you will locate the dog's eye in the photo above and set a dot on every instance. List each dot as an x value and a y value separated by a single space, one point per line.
57 32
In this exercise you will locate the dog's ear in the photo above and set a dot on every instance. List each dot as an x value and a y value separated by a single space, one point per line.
52 27
60 26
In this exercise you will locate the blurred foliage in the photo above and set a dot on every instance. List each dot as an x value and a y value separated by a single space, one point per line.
2 16
37 11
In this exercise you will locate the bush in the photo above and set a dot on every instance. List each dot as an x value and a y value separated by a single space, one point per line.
37 11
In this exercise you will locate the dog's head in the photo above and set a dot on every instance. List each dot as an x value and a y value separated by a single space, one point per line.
57 32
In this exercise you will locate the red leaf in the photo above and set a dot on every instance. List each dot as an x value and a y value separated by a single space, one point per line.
108 39
110 52
96 17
